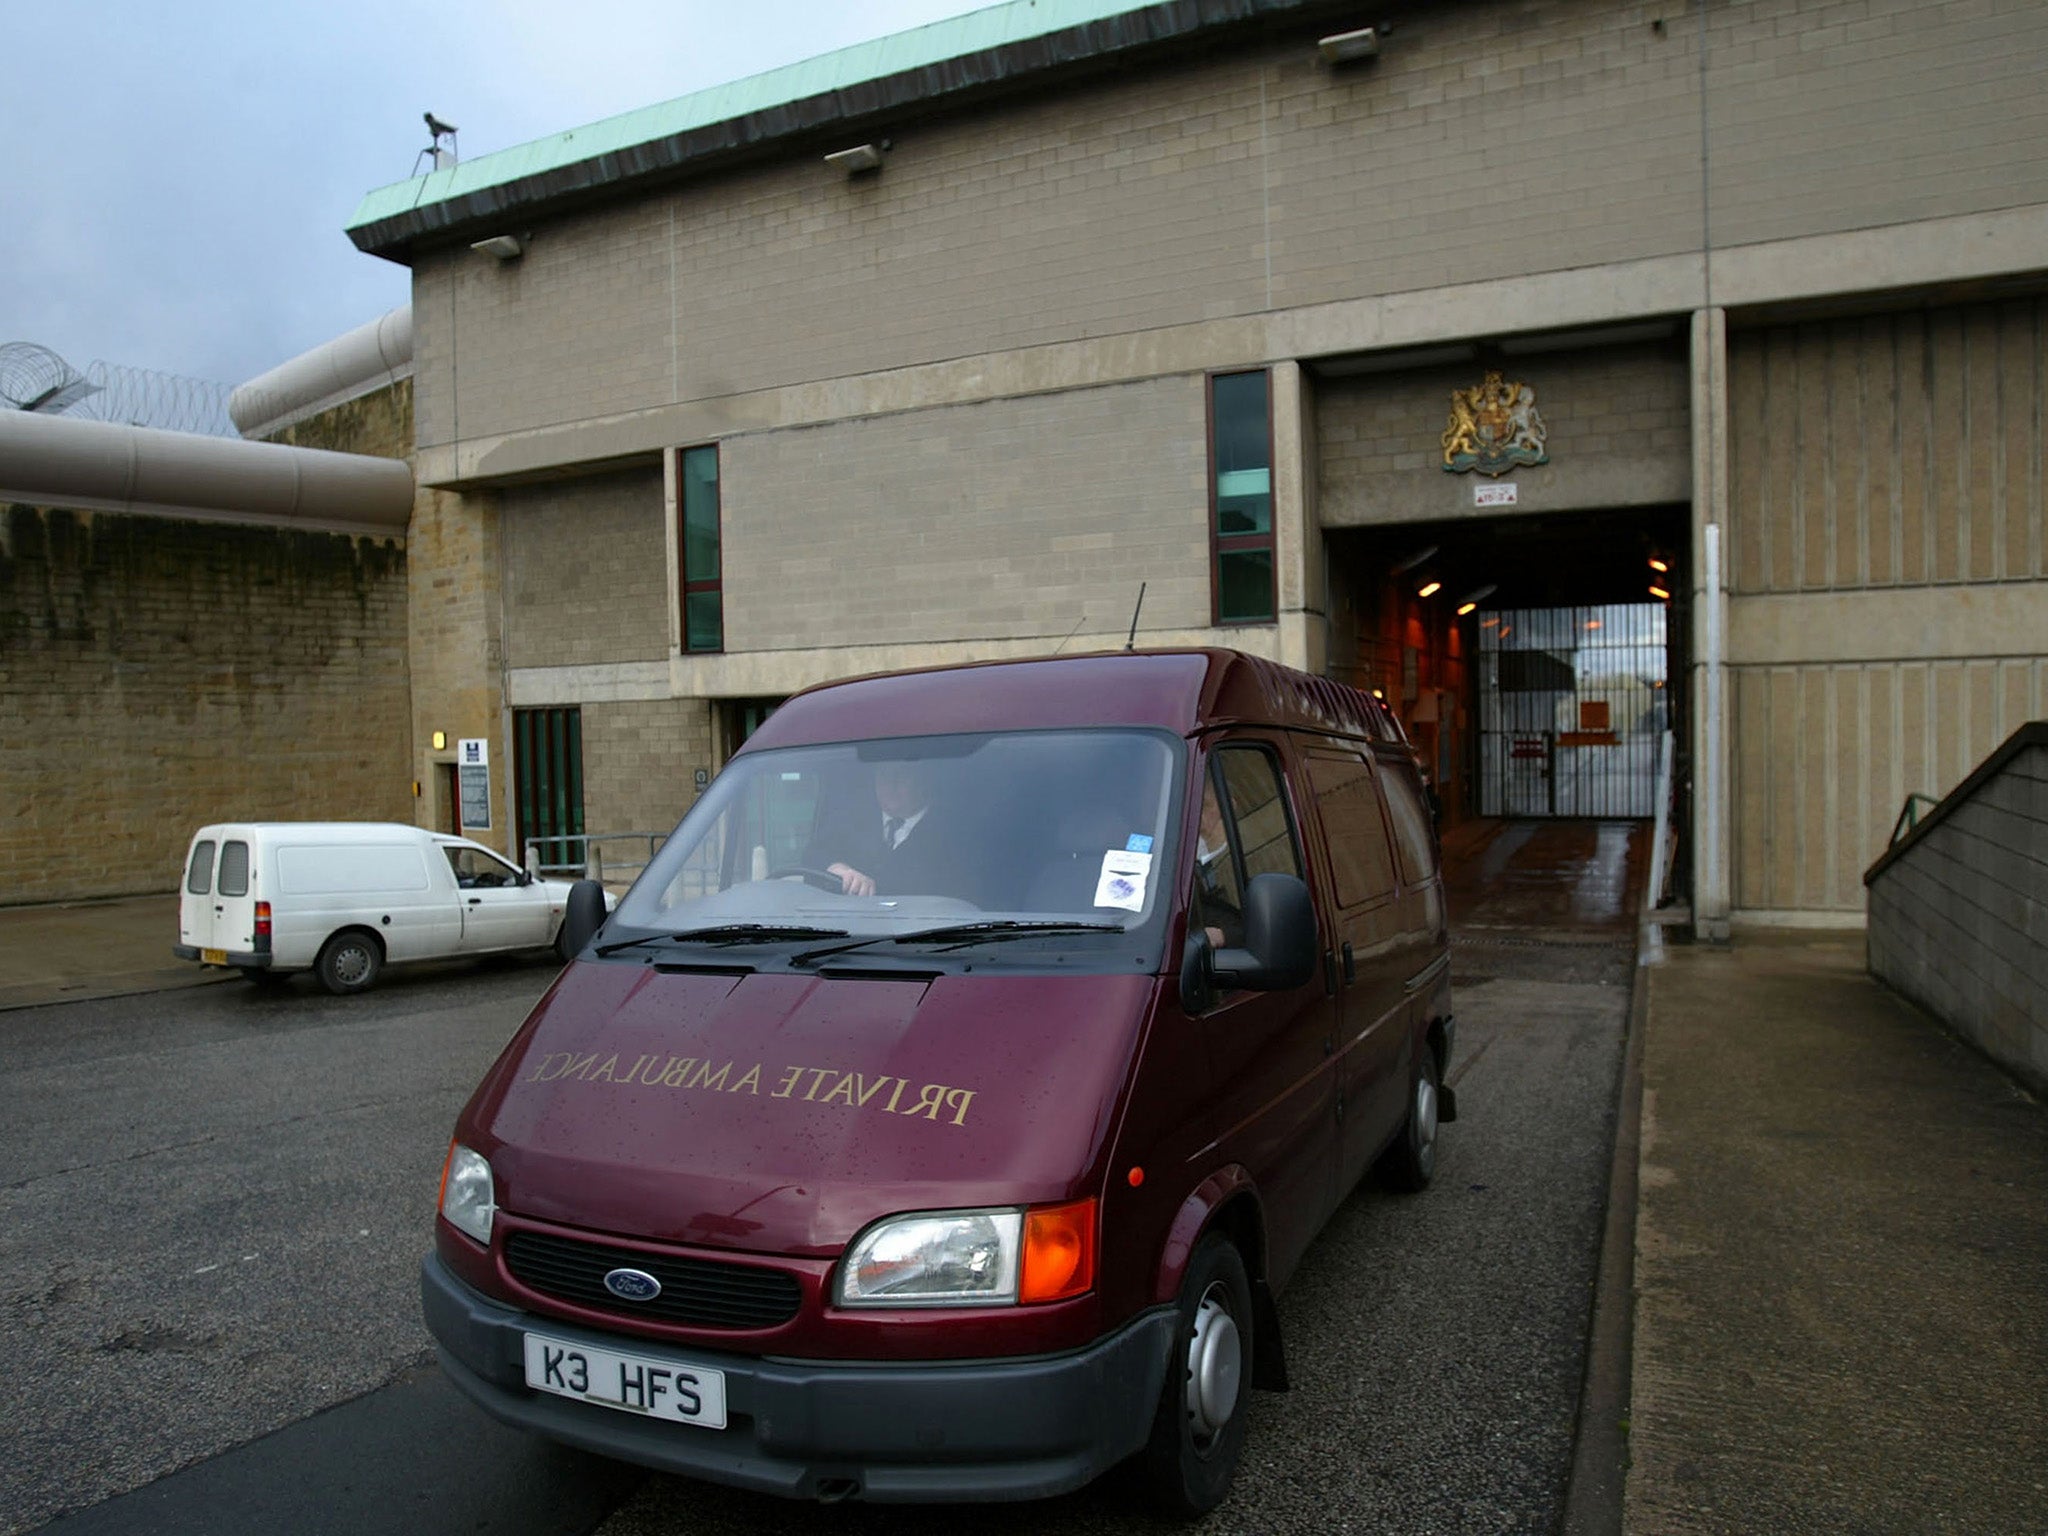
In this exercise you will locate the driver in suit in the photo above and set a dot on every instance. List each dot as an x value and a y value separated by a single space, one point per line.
906 847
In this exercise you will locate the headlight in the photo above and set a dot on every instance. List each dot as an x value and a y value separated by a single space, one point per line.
949 1258
972 1258
467 1197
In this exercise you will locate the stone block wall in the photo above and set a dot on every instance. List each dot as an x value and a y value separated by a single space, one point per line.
156 675
586 569
640 760
1617 419
1959 917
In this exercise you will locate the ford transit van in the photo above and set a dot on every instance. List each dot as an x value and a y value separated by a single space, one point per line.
342 898
939 1114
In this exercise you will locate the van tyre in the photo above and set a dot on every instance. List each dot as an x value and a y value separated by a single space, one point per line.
349 962
1411 1160
1200 1426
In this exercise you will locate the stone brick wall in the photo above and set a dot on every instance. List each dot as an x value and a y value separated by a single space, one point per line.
156 675
639 766
1488 140
586 570
1958 921
1618 422
1023 517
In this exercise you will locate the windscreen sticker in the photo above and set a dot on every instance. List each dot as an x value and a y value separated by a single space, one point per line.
1122 883
880 1093
1138 842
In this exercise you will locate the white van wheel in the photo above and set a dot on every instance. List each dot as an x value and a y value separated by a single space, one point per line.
349 962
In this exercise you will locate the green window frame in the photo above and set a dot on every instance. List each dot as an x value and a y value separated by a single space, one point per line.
1241 583
701 575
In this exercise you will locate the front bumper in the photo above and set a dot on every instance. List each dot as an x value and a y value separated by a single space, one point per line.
896 1432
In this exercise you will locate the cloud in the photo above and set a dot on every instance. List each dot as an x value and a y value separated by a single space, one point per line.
179 176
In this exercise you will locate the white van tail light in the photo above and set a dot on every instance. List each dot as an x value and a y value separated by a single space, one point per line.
262 927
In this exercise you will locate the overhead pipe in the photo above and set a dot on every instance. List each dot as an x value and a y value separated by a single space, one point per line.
374 354
102 466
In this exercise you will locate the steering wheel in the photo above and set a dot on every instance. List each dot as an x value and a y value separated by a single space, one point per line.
823 879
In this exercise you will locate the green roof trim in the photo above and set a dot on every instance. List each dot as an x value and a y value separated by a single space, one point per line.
943 58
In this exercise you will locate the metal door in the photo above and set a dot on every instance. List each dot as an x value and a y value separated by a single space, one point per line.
1572 702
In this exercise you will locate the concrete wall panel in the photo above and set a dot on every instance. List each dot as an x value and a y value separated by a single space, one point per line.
1826 754
1893 451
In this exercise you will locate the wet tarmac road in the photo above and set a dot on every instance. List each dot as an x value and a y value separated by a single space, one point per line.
150 1143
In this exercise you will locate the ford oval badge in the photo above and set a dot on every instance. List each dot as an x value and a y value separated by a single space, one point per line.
632 1285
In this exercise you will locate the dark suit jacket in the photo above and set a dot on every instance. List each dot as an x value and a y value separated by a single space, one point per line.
930 861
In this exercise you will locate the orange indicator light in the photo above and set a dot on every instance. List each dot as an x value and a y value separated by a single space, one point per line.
1059 1252
1135 1177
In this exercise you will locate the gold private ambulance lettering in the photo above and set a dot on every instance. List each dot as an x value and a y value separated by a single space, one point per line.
940 1103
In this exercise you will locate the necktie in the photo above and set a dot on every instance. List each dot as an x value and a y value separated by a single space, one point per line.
891 825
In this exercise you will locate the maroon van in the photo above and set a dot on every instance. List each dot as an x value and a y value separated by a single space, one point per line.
939 1113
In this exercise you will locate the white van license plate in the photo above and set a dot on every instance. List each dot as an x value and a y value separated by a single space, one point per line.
214 956
659 1389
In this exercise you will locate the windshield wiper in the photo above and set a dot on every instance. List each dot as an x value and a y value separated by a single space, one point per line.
955 935
728 933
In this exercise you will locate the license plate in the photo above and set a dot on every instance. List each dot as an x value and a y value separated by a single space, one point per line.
214 956
659 1389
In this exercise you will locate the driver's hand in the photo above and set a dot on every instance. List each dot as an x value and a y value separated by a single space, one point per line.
851 880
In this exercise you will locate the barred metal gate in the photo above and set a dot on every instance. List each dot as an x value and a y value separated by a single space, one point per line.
1572 702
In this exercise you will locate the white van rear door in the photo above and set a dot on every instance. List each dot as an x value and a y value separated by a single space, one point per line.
195 898
234 897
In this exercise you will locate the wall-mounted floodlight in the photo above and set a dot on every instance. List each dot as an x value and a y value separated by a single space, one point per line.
504 247
862 157
1475 597
1348 47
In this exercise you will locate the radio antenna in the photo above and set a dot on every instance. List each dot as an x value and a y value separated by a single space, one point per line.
1071 633
1131 642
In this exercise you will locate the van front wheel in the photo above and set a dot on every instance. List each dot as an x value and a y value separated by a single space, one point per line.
1200 1427
1411 1160
349 962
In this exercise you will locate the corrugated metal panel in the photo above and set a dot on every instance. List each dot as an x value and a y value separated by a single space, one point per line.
1893 450
949 58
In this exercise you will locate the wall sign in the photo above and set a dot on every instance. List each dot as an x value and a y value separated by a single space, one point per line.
473 770
1501 494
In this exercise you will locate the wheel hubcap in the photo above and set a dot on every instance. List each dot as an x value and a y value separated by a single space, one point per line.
351 964
1215 1364
1425 1123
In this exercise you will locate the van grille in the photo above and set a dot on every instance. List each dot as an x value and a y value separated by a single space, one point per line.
701 1293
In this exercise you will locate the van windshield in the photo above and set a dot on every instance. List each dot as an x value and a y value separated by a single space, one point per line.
1035 838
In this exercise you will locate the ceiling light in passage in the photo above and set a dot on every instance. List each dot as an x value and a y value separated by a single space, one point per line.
1658 565
1465 608
1660 594
1431 589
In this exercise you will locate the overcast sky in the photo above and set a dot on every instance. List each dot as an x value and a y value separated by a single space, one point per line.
175 178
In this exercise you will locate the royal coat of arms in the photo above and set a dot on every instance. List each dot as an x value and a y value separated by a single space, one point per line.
1493 427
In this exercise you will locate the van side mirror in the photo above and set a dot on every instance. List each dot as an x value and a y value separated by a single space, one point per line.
1279 951
583 917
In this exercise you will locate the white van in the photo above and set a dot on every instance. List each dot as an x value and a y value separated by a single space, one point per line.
342 898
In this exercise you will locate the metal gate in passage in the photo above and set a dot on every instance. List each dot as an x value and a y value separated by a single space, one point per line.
1572 702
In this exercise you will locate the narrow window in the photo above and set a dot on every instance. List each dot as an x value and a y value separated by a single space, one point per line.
703 598
1241 497
200 880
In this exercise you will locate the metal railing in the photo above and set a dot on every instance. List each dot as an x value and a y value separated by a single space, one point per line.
582 855
1909 814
